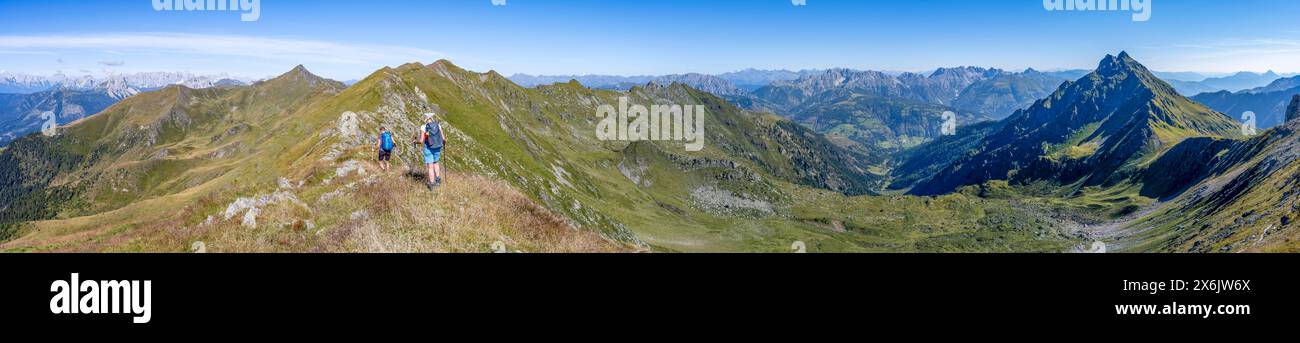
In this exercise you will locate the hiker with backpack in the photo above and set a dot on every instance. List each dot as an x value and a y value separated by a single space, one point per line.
385 145
433 140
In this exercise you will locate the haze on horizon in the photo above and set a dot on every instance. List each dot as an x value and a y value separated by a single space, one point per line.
350 39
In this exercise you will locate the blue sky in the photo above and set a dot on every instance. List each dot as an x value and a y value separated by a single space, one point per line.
349 39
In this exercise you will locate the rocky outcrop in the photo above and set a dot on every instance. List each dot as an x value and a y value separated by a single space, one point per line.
1293 110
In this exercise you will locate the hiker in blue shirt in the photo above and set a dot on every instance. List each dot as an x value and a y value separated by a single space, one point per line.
433 140
385 145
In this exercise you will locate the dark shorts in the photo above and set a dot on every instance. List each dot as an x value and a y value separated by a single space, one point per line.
385 155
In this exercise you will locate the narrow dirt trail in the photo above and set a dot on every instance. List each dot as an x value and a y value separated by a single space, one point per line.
1114 235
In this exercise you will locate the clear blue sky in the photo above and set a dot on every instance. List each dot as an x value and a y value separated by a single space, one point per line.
350 39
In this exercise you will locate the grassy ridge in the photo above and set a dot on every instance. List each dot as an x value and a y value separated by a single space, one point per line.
528 172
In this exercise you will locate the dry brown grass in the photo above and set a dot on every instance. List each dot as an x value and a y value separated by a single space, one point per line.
386 213
467 214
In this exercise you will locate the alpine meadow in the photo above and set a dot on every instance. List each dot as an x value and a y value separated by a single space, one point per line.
598 136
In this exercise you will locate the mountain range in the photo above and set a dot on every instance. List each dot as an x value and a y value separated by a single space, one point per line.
1241 81
1269 103
116 85
751 79
748 79
880 110
865 110
21 114
883 111
284 165
1186 83
1232 83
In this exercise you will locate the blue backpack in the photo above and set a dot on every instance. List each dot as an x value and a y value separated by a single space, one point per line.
434 131
386 141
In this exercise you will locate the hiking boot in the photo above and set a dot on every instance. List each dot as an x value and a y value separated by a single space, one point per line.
431 186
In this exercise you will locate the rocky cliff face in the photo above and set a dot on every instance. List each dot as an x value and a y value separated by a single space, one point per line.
1293 110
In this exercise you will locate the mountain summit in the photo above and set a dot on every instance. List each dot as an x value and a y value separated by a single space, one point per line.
1097 131
1122 64
300 76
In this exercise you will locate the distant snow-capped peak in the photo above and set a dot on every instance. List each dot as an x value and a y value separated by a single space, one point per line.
116 85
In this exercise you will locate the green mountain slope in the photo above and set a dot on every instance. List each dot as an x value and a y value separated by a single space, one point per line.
154 144
283 166
760 183
542 140
919 164
1239 196
164 170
